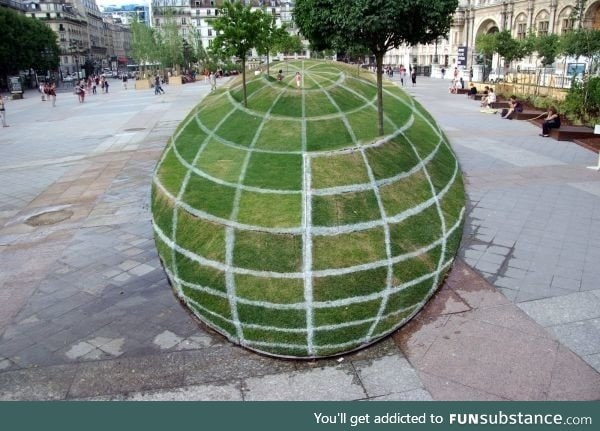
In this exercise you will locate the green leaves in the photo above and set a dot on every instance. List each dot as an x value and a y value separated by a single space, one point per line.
26 43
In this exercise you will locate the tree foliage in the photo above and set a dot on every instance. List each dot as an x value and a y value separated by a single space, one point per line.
378 25
239 29
509 48
582 43
143 44
273 36
547 48
26 43
170 42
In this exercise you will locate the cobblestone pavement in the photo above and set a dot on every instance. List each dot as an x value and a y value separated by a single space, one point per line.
86 311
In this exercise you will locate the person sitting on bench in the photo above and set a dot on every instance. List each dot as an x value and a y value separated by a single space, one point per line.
487 101
513 106
552 121
472 91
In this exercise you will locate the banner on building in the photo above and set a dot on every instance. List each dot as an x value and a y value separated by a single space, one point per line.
462 56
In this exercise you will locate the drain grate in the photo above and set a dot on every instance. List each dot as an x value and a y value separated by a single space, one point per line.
135 129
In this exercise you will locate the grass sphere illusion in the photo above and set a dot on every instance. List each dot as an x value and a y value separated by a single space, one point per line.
291 226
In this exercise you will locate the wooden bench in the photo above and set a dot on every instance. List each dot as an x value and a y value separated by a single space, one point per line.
462 91
529 115
500 105
570 133
477 96
592 144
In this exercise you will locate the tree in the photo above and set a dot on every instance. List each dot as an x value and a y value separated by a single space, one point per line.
378 25
290 44
169 41
271 38
583 43
143 45
239 29
547 47
26 44
509 48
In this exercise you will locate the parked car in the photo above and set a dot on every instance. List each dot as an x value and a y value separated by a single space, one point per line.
496 77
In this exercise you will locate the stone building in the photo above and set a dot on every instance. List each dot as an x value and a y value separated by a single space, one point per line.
84 37
193 17
475 17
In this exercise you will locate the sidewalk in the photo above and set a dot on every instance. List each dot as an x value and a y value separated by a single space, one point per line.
86 311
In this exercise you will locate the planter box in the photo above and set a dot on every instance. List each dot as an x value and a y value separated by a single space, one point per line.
142 84
175 80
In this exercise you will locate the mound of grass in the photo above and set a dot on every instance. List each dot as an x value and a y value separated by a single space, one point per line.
291 227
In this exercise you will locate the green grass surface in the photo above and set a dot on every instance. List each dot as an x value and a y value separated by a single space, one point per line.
289 260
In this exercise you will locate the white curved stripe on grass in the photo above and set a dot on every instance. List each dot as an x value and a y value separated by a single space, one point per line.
181 192
300 330
221 182
379 183
333 152
298 275
273 84
317 231
334 303
307 244
368 104
230 232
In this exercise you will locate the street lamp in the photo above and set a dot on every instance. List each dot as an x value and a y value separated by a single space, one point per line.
75 49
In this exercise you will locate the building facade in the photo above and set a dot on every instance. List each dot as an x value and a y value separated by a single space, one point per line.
475 17
194 17
85 38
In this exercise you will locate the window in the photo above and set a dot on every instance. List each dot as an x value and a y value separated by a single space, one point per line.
542 28
567 25
207 11
183 21
521 31
210 43
210 32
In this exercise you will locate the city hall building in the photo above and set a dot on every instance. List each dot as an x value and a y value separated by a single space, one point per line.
475 17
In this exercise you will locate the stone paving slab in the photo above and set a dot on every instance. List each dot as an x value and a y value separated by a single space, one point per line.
491 351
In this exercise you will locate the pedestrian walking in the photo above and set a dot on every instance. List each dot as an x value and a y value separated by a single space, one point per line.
42 91
125 81
158 89
298 79
80 91
212 78
413 77
106 86
52 94
402 75
3 112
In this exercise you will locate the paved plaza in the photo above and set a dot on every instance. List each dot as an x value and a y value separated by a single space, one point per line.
86 311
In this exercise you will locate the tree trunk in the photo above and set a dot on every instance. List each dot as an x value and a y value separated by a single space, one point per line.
268 71
244 80
379 61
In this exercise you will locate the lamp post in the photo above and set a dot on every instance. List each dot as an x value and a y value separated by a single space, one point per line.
75 49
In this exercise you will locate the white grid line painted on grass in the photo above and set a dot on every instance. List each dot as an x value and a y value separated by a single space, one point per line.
317 231
308 231
230 232
178 198
334 303
294 275
307 245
